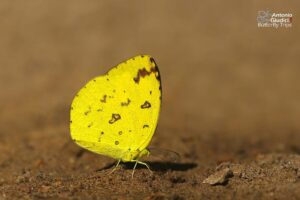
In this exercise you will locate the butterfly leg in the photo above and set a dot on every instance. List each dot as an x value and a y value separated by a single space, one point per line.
142 163
134 168
114 169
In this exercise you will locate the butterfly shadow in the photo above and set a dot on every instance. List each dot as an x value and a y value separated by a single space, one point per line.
155 166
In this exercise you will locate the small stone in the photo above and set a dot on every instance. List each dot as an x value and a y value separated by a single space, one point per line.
20 179
23 178
45 188
57 183
39 163
223 165
2 181
237 170
219 178
25 188
71 160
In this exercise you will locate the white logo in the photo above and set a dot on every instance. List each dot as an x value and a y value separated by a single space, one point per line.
274 20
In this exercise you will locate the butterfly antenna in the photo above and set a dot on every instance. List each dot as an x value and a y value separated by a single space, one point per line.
164 153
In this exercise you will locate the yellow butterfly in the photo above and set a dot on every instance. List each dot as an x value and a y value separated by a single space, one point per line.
116 114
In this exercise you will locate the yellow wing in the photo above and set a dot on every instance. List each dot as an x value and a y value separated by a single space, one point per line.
116 114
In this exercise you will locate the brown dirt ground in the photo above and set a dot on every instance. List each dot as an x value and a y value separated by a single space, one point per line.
230 98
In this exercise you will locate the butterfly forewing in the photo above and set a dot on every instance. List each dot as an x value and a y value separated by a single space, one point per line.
118 112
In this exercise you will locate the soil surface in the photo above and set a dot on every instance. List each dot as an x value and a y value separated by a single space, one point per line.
231 99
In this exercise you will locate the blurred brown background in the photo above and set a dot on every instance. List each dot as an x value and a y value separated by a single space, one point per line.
228 86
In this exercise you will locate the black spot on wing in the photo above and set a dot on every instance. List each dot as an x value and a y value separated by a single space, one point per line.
126 103
146 104
103 100
143 72
90 125
100 136
88 111
152 61
146 126
157 74
114 118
